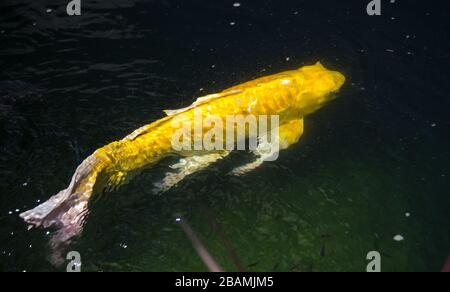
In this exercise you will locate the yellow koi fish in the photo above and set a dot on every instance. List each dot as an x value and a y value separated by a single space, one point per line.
291 95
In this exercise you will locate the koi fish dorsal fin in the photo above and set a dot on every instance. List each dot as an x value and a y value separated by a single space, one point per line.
146 129
170 113
202 100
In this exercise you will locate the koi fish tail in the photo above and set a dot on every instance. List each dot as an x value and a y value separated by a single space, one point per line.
66 210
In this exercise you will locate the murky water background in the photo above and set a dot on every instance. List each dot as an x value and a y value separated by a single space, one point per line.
372 165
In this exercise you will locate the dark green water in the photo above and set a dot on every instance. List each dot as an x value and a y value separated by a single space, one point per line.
376 154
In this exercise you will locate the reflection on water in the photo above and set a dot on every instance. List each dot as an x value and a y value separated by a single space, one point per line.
371 166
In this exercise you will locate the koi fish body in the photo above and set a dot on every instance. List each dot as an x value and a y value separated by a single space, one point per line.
290 95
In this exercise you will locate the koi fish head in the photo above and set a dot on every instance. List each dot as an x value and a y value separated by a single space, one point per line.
318 86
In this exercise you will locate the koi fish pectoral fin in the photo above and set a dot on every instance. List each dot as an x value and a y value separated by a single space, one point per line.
185 167
264 152
246 168
288 134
